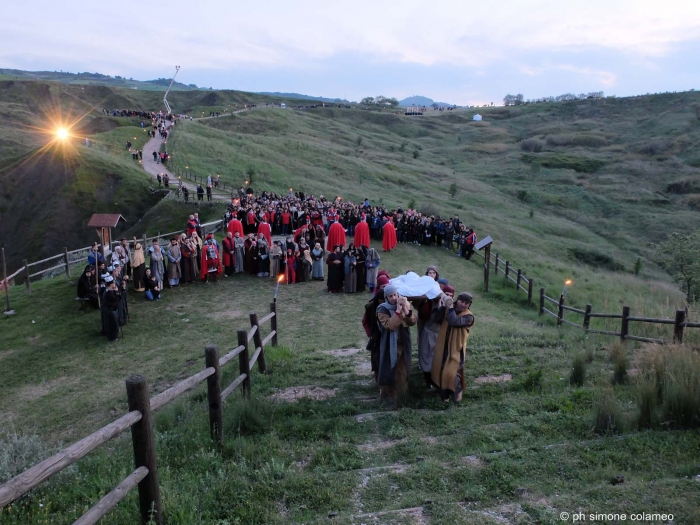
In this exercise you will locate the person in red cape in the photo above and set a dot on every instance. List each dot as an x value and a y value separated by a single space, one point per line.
290 269
300 233
264 228
389 238
234 225
229 254
362 234
336 236
211 265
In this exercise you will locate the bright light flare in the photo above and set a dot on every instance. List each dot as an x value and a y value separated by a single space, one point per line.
280 278
62 133
568 282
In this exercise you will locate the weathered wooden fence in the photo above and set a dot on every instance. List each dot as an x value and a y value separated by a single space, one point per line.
139 420
680 322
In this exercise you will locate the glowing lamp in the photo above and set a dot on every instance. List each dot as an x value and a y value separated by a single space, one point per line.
62 133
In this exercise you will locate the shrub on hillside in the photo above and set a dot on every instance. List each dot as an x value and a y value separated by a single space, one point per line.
559 161
657 146
590 140
673 373
607 417
683 186
577 376
618 356
428 209
596 259
533 145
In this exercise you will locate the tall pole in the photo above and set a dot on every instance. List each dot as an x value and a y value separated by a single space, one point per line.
165 97
5 283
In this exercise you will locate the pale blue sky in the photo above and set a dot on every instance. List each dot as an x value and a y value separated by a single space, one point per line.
460 52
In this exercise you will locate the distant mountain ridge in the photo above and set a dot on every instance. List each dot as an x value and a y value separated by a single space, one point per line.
418 100
303 97
158 84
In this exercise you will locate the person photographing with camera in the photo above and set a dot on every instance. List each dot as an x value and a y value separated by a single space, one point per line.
395 317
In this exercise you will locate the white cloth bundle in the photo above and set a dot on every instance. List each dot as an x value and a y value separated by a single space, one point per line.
413 285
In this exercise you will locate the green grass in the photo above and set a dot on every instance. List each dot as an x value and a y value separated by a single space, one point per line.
296 462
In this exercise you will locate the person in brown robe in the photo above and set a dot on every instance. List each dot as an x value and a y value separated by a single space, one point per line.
456 320
395 317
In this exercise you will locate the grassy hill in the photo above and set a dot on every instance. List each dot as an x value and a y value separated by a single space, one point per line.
572 190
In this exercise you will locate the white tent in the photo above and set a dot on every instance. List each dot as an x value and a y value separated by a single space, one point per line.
477 117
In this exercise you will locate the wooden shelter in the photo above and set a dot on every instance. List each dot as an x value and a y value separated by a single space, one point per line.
103 224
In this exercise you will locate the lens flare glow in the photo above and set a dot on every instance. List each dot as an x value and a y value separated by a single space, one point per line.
62 133
568 282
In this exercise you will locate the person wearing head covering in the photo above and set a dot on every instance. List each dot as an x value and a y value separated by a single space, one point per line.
211 264
372 264
350 264
290 267
371 326
389 236
263 256
251 262
111 300
456 321
361 269
229 253
428 332
317 256
189 264
336 271
174 258
87 286
239 247
138 267
276 256
336 235
264 228
362 233
234 225
157 256
395 317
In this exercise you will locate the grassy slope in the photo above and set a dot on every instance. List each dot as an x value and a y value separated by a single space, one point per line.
293 463
614 212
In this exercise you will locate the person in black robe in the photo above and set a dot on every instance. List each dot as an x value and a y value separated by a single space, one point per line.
360 268
336 270
110 309
87 286
375 334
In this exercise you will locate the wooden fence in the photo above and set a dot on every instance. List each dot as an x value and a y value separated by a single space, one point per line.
139 420
62 263
680 322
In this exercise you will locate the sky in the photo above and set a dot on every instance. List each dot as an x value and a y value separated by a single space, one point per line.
461 51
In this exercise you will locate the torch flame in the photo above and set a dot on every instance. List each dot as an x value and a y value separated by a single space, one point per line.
568 282
62 133
280 278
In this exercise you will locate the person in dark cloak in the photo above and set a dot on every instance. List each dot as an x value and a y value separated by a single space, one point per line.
361 269
110 306
336 270
87 286
263 256
369 321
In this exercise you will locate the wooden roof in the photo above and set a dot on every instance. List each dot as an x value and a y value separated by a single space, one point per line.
105 220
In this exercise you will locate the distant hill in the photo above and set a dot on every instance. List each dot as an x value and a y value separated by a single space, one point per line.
303 97
417 100
86 78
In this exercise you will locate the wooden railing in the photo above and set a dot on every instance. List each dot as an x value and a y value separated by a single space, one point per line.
680 322
145 476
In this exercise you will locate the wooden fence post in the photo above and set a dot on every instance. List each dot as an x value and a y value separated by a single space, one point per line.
625 326
487 265
587 317
144 450
26 274
507 269
517 280
495 268
6 284
144 246
216 416
273 322
65 258
678 326
244 362
541 301
529 293
257 339
560 313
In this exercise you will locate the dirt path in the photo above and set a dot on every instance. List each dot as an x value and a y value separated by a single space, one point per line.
154 168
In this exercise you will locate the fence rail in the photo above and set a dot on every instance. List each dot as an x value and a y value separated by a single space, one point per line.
679 322
145 476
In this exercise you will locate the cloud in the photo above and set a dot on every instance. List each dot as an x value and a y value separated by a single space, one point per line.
605 78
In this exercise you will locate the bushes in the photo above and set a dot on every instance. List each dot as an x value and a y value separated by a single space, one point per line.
587 140
532 145
654 147
683 186
607 417
668 388
578 371
557 160
618 356
598 260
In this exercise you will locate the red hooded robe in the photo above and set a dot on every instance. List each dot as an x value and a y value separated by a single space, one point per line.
264 228
234 225
362 234
389 240
336 236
